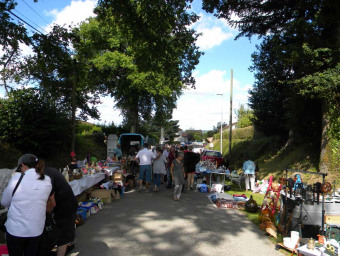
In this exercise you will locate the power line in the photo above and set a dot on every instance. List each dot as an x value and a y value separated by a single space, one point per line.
24 21
30 20
35 12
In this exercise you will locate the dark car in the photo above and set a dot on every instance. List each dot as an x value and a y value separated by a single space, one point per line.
212 155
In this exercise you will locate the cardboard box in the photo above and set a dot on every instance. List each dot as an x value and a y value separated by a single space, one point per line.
103 194
82 212
115 195
118 177
82 197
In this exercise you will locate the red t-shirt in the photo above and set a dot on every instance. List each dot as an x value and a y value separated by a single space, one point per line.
171 157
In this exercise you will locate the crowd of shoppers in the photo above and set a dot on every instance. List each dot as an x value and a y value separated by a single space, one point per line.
174 163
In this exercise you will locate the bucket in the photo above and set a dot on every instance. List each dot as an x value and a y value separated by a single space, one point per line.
294 237
287 242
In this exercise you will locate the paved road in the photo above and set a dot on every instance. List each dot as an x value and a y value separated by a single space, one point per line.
154 224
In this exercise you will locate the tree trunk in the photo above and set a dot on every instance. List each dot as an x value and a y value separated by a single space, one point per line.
324 158
73 121
161 141
133 119
290 138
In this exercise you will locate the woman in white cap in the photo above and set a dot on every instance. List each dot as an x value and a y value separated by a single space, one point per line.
26 196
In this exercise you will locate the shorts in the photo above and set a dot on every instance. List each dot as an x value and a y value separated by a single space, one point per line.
145 170
66 229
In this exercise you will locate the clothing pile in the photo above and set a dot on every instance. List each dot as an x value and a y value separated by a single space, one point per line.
222 200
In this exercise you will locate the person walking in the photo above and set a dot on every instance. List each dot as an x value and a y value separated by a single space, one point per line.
144 158
117 152
190 161
26 196
171 157
178 175
158 168
249 172
166 154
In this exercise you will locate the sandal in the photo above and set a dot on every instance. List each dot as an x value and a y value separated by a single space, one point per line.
175 198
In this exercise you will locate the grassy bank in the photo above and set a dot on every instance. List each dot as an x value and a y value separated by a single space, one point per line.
271 154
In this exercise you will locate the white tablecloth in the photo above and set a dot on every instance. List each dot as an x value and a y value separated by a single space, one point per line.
111 170
78 186
316 252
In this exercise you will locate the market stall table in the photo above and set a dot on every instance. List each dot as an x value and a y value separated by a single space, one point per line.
303 250
78 186
220 172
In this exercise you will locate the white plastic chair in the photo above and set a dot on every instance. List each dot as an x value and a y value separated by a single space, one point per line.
238 179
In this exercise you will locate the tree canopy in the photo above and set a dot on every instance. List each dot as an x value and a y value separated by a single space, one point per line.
28 118
142 54
301 43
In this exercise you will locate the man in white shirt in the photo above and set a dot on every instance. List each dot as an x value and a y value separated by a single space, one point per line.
144 158
165 151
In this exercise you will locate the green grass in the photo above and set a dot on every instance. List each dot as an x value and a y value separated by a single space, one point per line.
270 153
253 217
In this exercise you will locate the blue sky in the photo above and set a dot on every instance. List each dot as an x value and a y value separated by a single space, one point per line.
198 109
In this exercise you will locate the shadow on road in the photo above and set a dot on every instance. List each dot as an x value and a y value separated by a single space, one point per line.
155 224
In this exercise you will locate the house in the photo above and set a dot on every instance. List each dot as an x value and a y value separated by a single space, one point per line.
181 137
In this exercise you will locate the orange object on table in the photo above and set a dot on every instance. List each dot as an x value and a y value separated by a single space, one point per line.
321 239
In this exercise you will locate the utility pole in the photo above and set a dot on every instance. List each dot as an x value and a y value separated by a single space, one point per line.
231 113
221 94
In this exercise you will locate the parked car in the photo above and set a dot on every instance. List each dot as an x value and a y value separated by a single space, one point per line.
212 155
197 148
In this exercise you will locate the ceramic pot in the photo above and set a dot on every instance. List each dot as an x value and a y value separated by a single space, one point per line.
251 205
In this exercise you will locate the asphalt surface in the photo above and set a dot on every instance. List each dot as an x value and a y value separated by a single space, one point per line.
154 224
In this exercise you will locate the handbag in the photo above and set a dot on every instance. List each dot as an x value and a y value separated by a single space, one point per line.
3 217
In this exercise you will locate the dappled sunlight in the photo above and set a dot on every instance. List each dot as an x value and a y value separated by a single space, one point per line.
155 224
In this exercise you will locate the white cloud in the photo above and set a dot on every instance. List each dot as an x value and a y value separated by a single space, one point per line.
26 50
72 14
211 83
212 37
214 31
52 13
201 108
107 112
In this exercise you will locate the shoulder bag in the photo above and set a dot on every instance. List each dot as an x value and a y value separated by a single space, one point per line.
3 217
